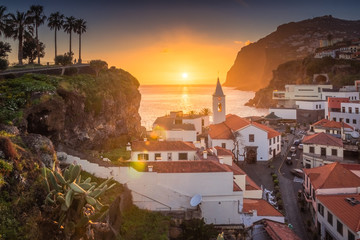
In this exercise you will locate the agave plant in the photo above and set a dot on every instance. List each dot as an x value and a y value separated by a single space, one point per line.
77 201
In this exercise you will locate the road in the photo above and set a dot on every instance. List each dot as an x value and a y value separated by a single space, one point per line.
40 69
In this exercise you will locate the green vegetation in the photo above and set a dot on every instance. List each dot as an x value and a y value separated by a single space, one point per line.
117 154
197 229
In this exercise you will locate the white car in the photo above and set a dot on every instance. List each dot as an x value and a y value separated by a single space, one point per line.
301 146
293 149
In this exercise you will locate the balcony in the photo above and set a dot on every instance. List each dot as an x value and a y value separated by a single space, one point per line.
278 95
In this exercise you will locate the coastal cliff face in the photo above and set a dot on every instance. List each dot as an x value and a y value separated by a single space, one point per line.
341 72
254 63
83 111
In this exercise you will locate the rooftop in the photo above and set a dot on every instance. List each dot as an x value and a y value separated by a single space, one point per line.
325 123
168 123
347 213
328 176
150 146
234 123
218 91
323 139
279 231
262 207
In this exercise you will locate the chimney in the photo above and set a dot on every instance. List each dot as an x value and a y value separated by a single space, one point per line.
205 154
150 168
128 147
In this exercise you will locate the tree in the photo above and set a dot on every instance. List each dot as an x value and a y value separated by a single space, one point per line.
3 64
5 48
30 50
38 18
69 27
3 19
98 65
80 27
56 21
21 27
63 60
205 111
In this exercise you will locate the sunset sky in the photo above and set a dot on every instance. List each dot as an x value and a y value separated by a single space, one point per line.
158 41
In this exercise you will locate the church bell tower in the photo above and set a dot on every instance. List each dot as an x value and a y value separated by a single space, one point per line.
218 104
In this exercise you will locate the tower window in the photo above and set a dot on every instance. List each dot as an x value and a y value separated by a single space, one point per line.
219 107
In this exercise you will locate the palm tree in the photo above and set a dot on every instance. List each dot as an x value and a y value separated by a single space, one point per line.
3 17
69 27
80 27
36 13
21 27
56 21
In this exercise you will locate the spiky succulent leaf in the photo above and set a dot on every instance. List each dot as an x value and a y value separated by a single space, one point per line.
60 178
69 198
76 188
74 172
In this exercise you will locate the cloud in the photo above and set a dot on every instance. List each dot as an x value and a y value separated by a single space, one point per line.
247 42
239 42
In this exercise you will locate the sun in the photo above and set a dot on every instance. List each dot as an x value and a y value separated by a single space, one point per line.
184 75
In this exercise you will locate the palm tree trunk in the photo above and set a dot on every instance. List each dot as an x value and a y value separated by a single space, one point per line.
79 60
70 44
55 45
20 52
37 45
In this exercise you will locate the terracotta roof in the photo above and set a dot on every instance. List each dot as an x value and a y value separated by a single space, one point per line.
250 184
234 123
323 139
351 167
262 207
325 123
279 231
348 214
236 187
150 146
223 151
333 175
168 123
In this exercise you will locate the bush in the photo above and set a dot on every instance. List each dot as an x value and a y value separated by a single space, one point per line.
71 71
278 196
274 176
63 60
280 204
3 64
276 182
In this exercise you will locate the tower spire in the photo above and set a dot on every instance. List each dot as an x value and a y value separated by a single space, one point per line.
218 91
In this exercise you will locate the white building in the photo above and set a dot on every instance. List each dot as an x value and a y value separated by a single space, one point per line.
218 101
337 129
338 216
349 113
250 141
162 151
320 149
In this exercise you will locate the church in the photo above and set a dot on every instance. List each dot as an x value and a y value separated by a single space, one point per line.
249 141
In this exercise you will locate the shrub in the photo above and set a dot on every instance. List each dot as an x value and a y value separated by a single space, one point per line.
278 196
63 60
274 176
71 71
3 64
98 65
276 182
280 204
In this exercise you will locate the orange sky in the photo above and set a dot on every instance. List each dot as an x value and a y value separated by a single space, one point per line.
181 51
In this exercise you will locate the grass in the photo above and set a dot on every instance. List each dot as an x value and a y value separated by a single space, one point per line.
117 154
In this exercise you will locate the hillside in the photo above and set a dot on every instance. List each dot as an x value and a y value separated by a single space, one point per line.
340 72
80 111
254 63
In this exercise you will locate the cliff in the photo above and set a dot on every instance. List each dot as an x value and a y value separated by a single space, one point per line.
254 63
341 72
79 111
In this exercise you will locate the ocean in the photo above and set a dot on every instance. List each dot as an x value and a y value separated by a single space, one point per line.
159 100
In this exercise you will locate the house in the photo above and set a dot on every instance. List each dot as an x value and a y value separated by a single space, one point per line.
347 112
338 216
179 126
336 129
250 141
328 180
271 230
162 151
320 149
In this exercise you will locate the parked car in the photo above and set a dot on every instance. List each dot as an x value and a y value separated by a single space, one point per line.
297 172
297 142
288 161
293 149
301 146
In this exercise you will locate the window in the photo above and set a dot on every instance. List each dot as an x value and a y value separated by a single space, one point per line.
357 110
278 147
323 151
202 122
320 106
219 107
330 218
157 156
251 137
351 236
350 109
354 121
183 156
169 156
334 119
321 209
334 152
223 145
316 106
347 120
143 156
311 149
343 109
339 227
341 119
270 150
278 138
270 141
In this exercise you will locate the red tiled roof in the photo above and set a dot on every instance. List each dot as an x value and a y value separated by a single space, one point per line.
236 187
234 123
162 146
325 123
323 139
333 175
279 231
262 207
348 214
223 151
334 102
350 167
